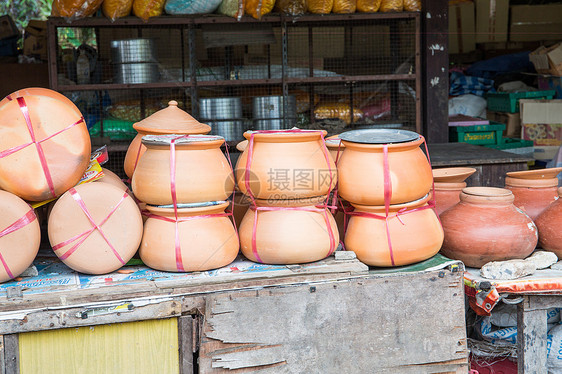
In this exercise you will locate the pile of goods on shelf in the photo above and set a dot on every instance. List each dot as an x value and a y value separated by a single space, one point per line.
114 9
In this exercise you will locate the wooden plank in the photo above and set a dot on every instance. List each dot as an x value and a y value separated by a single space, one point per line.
12 354
435 70
543 302
2 358
138 347
360 325
531 338
456 154
185 338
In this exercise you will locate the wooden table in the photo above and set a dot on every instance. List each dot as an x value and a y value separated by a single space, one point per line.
491 164
333 316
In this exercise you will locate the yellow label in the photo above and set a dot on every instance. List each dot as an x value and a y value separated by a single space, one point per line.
485 136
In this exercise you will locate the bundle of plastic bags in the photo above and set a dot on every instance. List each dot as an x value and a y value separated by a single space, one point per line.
75 9
148 8
392 6
258 8
191 6
368 6
114 9
232 8
344 6
292 7
320 6
412 5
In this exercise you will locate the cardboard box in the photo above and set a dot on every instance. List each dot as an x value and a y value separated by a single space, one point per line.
535 22
462 38
541 121
551 83
491 20
547 60
512 122
8 28
35 39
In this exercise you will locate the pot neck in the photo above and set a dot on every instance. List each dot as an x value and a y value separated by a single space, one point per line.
396 147
489 196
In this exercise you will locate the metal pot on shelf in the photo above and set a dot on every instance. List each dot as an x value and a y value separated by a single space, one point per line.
141 72
134 61
274 112
220 108
230 130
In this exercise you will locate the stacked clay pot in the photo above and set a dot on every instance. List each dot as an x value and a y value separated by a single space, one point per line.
534 190
387 178
44 144
184 180
548 223
171 120
447 186
485 226
287 221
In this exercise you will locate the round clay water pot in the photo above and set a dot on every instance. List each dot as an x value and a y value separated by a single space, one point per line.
202 171
289 236
335 147
113 210
533 195
549 223
414 236
18 248
170 120
448 184
113 179
286 164
48 168
485 226
361 171
204 243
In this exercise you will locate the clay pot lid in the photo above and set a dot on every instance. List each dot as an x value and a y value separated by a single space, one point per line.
189 208
166 139
242 145
282 136
452 175
379 136
531 183
449 186
309 201
410 204
487 191
548 173
334 142
172 120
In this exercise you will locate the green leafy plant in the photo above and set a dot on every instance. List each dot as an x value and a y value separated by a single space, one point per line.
22 11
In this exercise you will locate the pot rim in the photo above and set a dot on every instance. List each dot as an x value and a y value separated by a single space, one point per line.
452 175
531 183
378 208
449 186
486 195
547 173
168 209
393 147
285 136
302 202
197 139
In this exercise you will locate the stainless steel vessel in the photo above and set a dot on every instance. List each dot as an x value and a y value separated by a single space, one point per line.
220 108
133 50
141 72
229 130
273 107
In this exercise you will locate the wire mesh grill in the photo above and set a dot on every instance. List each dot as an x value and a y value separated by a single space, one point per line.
334 73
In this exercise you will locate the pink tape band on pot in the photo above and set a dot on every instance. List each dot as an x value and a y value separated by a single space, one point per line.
87 233
22 222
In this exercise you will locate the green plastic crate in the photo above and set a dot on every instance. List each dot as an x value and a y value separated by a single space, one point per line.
479 134
114 129
511 143
509 102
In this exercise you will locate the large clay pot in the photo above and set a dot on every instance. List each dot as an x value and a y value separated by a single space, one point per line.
549 223
61 154
113 179
171 120
448 184
19 247
361 171
485 226
286 164
204 243
79 244
202 172
288 236
414 236
534 190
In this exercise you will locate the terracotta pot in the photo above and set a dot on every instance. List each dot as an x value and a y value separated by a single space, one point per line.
335 147
548 224
46 170
287 165
288 236
171 120
361 173
18 248
113 179
485 226
448 184
414 236
533 195
205 243
91 253
202 171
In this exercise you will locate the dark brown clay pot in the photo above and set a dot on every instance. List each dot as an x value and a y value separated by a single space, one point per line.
533 195
549 223
485 226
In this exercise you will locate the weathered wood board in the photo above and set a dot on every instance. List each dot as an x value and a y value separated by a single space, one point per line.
412 323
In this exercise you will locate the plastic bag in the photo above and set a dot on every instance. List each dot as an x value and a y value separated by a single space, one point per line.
368 6
191 6
554 349
320 6
148 8
114 9
292 7
232 8
412 5
258 8
392 6
344 6
75 9
337 111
